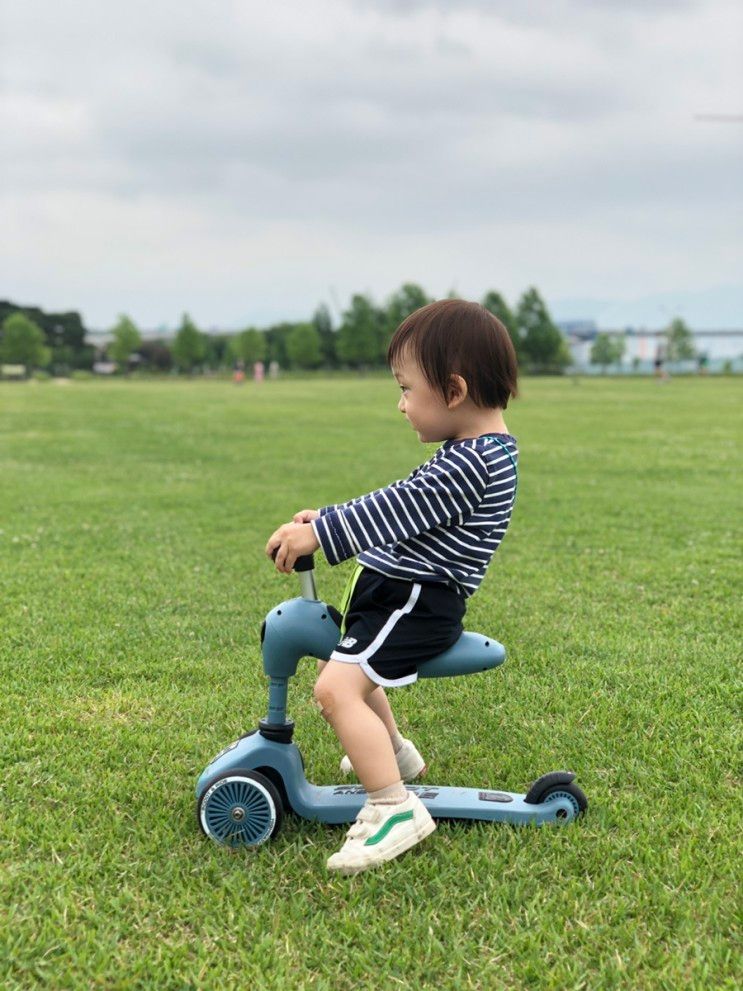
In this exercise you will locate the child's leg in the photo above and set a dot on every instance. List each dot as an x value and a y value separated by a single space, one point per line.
343 692
379 703
392 819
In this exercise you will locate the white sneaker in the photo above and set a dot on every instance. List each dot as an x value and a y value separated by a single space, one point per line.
409 762
381 833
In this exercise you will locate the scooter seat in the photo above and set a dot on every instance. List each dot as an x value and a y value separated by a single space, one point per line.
473 652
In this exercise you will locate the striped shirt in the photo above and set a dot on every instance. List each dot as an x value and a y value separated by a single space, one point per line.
442 523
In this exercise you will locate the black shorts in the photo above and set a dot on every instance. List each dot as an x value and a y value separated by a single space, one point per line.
393 626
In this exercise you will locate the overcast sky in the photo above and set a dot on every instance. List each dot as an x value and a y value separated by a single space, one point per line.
245 161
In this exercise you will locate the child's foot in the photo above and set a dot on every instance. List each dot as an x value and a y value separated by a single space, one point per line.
381 833
409 762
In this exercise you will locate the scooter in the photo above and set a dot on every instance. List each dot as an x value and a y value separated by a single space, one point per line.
242 795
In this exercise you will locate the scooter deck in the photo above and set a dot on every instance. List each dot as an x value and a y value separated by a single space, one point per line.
341 803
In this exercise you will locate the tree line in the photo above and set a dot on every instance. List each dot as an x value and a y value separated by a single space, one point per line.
57 342
678 345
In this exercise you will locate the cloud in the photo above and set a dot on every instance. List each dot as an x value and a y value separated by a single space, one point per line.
362 144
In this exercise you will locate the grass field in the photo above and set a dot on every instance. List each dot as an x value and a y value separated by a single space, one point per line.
133 583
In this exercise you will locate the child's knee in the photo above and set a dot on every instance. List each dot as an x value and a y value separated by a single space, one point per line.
325 698
321 665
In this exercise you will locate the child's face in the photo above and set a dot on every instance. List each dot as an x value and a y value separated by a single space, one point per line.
423 406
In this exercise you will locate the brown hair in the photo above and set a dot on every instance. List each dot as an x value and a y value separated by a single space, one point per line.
455 337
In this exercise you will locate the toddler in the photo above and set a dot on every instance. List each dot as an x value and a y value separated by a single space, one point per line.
422 546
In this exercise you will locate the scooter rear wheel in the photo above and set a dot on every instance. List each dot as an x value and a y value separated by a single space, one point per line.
575 801
240 808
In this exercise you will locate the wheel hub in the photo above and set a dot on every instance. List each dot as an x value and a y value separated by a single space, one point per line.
563 814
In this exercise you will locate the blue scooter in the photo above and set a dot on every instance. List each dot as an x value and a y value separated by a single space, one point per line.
242 795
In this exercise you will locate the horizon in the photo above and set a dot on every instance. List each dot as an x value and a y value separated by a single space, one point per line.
618 315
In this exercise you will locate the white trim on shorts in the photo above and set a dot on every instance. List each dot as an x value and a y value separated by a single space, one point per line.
377 678
363 657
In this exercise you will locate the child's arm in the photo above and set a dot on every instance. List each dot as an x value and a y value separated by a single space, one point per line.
352 502
450 489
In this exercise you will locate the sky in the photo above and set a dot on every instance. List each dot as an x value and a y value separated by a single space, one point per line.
246 161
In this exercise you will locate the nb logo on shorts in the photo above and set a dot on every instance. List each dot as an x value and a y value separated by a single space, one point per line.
348 642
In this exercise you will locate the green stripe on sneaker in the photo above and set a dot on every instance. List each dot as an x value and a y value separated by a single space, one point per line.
392 821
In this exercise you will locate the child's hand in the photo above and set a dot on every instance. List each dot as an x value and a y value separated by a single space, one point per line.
305 516
293 540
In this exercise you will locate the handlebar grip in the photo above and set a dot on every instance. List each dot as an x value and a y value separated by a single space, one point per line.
305 563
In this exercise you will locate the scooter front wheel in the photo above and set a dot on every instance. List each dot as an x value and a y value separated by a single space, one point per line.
240 808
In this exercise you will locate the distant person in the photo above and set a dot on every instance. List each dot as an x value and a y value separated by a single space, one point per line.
702 362
239 376
273 370
421 554
660 373
259 371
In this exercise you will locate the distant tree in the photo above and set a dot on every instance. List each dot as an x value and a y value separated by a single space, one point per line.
249 346
22 343
189 346
607 350
496 304
303 346
126 340
85 357
679 341
324 326
544 347
217 350
276 337
408 298
360 334
64 333
156 355
621 346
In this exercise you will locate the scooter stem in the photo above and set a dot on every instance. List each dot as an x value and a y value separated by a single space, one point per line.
305 568
276 726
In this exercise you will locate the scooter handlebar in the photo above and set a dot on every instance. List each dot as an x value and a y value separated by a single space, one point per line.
305 563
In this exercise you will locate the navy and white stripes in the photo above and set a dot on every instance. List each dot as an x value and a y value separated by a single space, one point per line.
442 523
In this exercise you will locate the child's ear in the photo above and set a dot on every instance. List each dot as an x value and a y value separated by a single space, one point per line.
457 391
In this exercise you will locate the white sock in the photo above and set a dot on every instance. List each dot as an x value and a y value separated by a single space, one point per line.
391 795
397 742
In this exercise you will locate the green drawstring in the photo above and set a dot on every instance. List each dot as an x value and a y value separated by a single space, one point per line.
348 592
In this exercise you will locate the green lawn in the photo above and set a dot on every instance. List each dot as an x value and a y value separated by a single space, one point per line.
133 517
